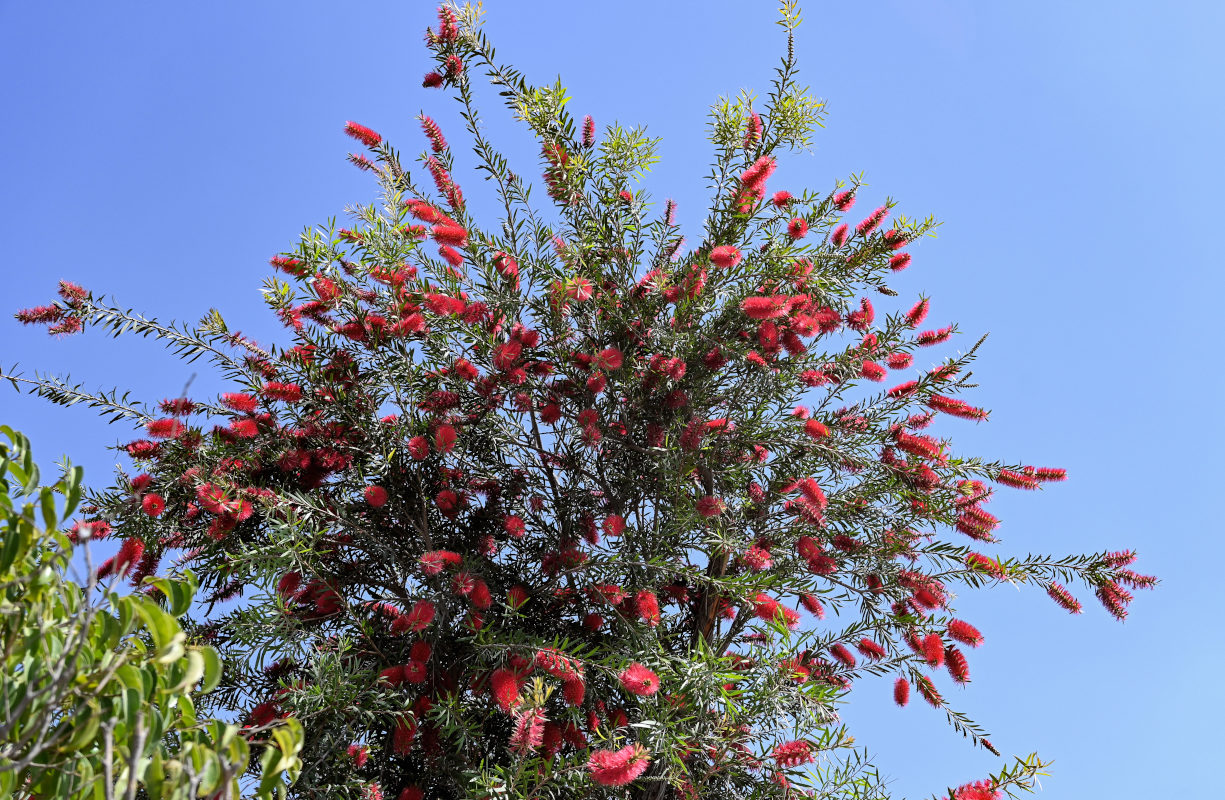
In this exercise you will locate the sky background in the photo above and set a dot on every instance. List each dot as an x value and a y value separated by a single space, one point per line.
161 153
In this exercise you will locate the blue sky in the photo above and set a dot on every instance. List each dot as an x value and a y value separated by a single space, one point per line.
162 152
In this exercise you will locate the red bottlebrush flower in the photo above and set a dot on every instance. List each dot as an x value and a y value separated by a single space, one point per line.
752 129
1045 474
528 733
1064 598
757 558
288 264
436 561
1114 598
781 199
505 688
812 605
419 448
896 239
514 526
899 262
448 234
358 754
843 655
838 237
626 196
793 754
954 407
432 80
928 691
646 606
872 371
447 501
762 308
711 506
618 767
614 525
506 355
153 505
433 133
901 691
417 619
361 162
288 584
899 360
242 403
978 561
929 338
129 555
376 496
843 201
725 256
979 790
450 255
609 359
872 221
766 607
165 428
871 649
363 134
797 228
516 596
816 429
264 713
1016 480
965 633
955 660
444 438
588 131
40 315
754 178
285 392
917 313
639 680
412 793
933 649
812 493
573 690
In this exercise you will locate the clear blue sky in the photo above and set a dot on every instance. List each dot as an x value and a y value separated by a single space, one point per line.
162 152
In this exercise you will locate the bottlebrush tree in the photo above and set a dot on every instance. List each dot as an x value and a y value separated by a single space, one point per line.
559 507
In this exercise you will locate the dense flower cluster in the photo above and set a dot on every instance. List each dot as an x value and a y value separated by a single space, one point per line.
496 471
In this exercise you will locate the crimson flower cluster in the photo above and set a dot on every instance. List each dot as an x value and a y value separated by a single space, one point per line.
557 507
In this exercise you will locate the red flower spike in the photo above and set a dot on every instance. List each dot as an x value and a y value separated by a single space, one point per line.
872 221
955 660
964 632
933 650
363 134
871 649
639 680
153 505
725 256
618 767
432 132
843 201
376 496
917 313
1064 598
793 754
504 686
901 691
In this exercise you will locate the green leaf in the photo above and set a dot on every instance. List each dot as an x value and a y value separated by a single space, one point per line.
212 669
